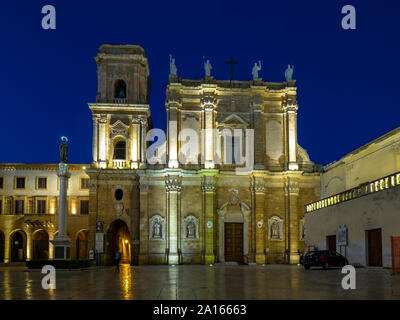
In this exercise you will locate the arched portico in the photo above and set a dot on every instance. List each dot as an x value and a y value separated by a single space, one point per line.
2 245
82 244
18 244
40 243
119 239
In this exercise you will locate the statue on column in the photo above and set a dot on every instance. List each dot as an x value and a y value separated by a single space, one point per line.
207 68
289 73
256 68
172 67
64 150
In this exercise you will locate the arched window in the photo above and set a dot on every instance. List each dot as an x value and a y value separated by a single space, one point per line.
120 150
120 89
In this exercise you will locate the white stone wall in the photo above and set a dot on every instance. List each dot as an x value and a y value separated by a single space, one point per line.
379 158
377 210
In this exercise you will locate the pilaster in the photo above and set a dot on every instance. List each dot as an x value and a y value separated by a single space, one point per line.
208 104
290 107
257 189
209 204
144 222
291 189
173 186
95 138
102 141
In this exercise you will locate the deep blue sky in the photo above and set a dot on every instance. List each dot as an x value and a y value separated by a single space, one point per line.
347 80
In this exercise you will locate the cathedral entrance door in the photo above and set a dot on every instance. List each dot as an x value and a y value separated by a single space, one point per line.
234 242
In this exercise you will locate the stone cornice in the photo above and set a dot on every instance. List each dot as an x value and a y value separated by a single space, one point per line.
123 108
39 166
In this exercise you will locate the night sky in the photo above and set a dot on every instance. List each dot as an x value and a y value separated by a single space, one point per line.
347 79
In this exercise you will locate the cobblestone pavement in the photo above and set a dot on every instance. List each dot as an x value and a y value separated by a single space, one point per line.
199 282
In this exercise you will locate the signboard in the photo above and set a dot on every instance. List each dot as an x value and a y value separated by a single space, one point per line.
99 242
342 236
91 255
99 226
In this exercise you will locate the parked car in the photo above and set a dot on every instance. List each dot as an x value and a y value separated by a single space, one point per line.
324 259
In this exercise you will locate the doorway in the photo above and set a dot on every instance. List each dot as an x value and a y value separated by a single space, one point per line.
119 239
234 242
331 243
41 245
374 247
82 245
18 246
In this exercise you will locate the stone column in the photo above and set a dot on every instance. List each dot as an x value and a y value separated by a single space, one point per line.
135 144
143 126
93 202
29 245
172 115
208 104
135 223
173 187
258 192
102 141
144 222
62 244
7 253
292 220
259 135
291 122
209 206
95 138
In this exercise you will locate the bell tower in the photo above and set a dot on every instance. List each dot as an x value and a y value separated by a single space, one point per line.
121 114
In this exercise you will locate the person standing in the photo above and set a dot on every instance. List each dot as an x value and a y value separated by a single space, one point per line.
117 259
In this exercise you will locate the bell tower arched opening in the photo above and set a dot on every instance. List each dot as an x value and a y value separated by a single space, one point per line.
119 150
120 89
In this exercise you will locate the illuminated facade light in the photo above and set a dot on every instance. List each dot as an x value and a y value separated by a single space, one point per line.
371 187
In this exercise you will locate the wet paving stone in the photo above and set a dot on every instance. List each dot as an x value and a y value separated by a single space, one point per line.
198 282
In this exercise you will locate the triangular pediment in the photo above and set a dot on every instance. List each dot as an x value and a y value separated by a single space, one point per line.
119 125
233 120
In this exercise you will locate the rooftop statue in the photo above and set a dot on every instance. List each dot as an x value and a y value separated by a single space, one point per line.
289 73
172 67
256 68
207 68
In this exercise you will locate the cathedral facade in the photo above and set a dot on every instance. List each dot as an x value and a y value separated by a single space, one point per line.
228 184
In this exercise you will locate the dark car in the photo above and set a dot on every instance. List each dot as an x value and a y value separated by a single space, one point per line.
324 259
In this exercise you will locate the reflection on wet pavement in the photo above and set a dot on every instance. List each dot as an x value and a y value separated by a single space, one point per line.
198 282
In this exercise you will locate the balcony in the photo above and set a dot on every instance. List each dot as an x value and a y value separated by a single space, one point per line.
120 100
119 164
112 100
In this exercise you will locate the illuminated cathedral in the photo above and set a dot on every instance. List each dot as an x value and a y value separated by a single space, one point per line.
197 207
